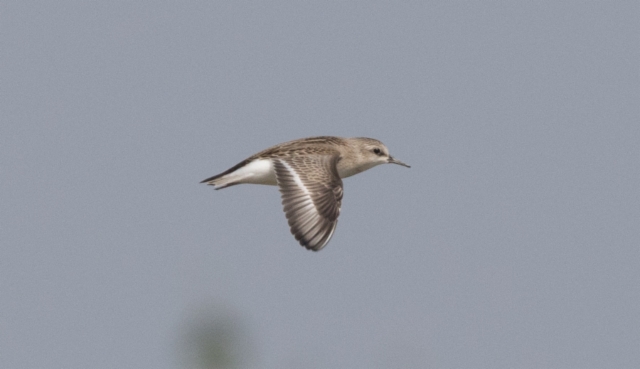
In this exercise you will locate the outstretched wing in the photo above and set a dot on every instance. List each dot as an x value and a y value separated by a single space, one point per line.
311 195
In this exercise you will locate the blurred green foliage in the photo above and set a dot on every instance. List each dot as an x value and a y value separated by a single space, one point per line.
215 339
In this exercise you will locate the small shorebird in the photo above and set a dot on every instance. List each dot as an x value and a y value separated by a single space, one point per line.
309 173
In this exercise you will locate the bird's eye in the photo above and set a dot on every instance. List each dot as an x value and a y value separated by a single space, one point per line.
376 151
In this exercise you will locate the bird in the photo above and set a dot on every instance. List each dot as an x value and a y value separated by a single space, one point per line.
309 173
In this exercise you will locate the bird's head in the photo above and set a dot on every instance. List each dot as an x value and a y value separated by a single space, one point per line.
376 153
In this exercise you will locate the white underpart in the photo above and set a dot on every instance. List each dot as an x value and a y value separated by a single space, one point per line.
259 171
353 170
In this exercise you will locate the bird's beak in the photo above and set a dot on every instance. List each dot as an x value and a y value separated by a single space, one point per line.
391 160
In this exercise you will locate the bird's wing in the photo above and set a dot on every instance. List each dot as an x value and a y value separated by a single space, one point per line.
311 195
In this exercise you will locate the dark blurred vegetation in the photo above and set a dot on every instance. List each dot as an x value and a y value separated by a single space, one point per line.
215 338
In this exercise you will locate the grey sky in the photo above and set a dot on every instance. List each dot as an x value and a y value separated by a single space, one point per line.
513 241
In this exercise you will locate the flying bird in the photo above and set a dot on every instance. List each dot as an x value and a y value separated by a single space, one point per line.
309 173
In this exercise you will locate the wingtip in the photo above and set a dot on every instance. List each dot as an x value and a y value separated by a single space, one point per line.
319 246
311 248
209 179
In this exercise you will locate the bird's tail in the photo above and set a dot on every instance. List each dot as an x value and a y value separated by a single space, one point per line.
226 178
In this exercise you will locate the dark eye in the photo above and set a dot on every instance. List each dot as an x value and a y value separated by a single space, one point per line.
376 151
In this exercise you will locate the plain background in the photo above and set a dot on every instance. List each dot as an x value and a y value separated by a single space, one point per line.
512 242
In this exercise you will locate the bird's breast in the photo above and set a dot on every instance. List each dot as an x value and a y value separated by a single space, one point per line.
348 169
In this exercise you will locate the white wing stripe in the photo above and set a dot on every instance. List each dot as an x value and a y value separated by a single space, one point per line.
295 177
311 208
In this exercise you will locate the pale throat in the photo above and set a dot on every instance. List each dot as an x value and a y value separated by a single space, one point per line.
349 169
